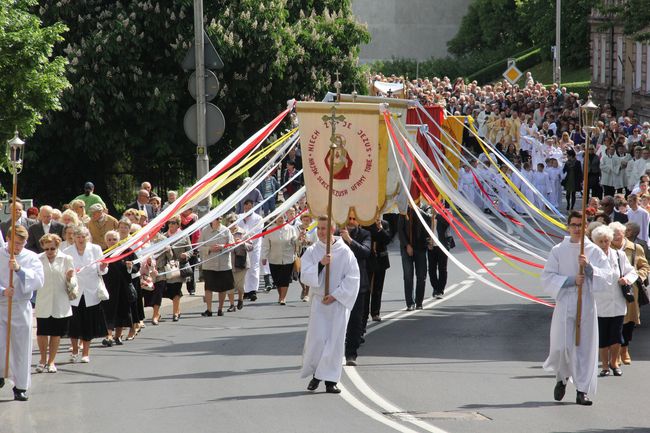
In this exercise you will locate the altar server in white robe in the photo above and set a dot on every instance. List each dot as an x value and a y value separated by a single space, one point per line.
328 318
560 279
28 278
466 184
252 224
542 183
610 166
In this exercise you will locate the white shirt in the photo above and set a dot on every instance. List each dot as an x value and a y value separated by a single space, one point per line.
610 301
52 299
642 218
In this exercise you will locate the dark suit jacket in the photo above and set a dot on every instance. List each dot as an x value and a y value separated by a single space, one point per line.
360 246
22 221
411 231
36 232
147 208
379 248
619 217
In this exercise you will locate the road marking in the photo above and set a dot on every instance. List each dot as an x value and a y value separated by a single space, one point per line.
358 405
367 391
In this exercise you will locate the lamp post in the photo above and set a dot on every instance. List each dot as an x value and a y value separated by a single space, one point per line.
588 116
15 149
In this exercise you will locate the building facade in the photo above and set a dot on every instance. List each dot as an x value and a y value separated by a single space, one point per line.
413 29
620 68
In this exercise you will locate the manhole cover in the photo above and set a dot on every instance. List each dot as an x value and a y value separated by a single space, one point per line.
448 415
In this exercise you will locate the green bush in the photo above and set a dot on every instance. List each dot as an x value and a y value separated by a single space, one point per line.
525 60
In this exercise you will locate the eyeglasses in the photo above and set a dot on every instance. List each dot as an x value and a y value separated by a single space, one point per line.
49 249
575 226
173 222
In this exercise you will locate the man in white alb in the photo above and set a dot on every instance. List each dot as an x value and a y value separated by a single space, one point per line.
325 341
252 224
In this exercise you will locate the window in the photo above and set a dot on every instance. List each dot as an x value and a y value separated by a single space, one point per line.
637 66
595 65
603 59
619 61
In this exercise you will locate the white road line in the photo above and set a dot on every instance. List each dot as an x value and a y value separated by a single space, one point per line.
358 405
362 386
386 405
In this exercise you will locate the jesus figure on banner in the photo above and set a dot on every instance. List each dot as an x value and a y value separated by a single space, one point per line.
342 161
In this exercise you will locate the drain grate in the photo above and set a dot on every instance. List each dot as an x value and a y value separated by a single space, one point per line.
446 415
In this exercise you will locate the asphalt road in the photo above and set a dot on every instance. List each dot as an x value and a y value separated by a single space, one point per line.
468 363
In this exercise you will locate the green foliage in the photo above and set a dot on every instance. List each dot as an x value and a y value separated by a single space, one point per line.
123 118
634 15
524 60
31 79
488 24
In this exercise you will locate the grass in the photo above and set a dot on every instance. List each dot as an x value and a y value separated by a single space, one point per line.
543 72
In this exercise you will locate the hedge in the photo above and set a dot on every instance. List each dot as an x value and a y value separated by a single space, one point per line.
524 60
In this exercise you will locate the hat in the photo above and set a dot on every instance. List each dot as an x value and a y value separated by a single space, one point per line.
97 207
89 185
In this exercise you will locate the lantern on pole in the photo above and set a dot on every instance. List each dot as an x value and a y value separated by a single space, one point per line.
588 116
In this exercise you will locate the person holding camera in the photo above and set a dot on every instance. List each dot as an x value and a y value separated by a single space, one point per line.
637 258
611 304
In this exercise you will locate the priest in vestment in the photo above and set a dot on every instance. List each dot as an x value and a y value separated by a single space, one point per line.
560 279
328 319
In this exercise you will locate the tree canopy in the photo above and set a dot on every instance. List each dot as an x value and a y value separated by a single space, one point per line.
31 78
122 119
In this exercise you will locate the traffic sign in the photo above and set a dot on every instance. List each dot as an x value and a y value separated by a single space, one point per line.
512 74
211 57
211 85
215 124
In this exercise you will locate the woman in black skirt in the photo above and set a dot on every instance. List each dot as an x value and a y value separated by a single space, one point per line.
53 310
181 252
137 305
117 308
216 265
279 249
88 320
153 298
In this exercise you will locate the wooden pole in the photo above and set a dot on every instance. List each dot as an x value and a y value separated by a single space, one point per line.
12 244
585 190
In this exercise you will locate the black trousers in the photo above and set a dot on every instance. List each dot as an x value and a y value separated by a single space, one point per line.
437 270
628 330
609 190
372 302
191 284
355 327
595 190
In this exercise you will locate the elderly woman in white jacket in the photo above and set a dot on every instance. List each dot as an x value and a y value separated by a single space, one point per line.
88 320
279 250
610 302
53 308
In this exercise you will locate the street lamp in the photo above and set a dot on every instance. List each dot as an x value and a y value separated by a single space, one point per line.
588 116
15 149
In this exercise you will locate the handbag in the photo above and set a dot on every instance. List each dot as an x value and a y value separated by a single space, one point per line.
186 270
172 271
240 261
628 291
131 293
71 290
451 243
102 292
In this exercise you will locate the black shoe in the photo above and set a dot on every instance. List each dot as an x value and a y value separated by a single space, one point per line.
376 318
253 297
219 312
231 309
268 288
418 307
363 340
2 382
617 371
351 361
558 392
176 317
118 341
20 394
410 308
207 313
107 343
191 293
247 295
332 389
313 384
582 399
240 305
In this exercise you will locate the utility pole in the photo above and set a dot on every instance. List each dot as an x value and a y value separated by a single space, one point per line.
557 73
202 162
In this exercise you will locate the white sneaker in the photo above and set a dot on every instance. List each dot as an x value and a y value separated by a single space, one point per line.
40 368
74 358
305 299
51 368
85 359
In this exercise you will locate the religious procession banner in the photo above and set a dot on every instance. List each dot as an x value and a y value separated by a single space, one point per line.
359 183
452 138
